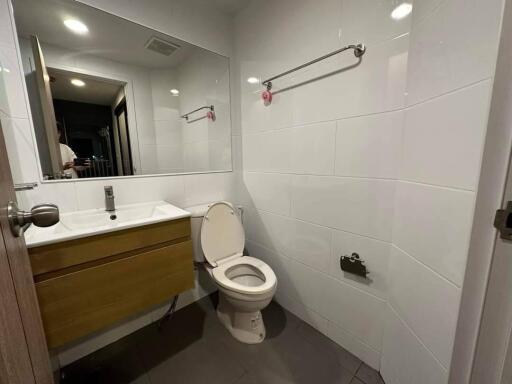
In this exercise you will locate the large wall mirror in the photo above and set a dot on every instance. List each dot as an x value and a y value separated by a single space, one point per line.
113 98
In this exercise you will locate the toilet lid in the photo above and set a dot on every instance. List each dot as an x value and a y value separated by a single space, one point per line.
222 234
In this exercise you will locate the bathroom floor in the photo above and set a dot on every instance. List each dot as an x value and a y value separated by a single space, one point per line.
193 347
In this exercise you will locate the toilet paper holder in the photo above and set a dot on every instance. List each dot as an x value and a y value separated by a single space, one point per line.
354 264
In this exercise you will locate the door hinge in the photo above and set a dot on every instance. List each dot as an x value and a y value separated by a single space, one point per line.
503 221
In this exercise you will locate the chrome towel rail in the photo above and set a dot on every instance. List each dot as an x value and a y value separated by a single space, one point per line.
359 51
210 107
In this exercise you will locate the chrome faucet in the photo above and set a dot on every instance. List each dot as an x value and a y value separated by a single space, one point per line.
110 204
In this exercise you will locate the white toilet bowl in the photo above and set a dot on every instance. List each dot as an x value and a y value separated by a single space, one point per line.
246 284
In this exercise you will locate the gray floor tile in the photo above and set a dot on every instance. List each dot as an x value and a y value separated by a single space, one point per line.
329 348
117 363
193 347
368 375
199 363
287 357
247 378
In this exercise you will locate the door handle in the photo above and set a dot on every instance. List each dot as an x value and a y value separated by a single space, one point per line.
41 215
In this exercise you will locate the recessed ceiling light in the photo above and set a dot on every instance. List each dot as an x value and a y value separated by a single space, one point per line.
77 82
175 92
253 80
76 26
401 11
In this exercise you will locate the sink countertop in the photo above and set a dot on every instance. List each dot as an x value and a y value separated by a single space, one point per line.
75 225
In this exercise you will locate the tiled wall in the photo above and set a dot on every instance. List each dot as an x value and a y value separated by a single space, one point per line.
382 159
452 56
320 164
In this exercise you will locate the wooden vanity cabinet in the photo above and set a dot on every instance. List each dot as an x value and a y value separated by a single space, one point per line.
87 284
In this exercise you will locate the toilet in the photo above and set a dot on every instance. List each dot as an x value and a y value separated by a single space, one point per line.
246 284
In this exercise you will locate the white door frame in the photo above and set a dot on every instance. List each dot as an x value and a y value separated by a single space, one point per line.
479 355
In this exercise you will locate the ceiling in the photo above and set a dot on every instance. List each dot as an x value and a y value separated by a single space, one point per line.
109 36
96 90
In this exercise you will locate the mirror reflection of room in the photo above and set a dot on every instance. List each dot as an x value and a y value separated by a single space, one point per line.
112 98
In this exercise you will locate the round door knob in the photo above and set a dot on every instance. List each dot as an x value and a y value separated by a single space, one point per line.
41 215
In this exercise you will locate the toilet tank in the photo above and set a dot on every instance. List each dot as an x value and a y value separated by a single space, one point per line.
196 219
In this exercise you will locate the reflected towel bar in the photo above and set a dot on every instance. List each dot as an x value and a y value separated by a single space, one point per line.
359 50
209 114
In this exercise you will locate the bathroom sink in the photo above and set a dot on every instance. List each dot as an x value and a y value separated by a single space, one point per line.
96 221
99 217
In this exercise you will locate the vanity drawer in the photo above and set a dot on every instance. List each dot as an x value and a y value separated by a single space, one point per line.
76 304
54 257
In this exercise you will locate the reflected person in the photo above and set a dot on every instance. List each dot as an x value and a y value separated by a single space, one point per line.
70 161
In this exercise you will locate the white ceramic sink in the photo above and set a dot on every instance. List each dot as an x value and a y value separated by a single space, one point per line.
95 221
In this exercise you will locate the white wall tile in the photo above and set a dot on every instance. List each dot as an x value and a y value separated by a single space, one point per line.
361 206
306 149
452 47
307 315
369 21
299 287
348 341
376 85
12 97
90 194
208 187
270 192
257 117
312 149
375 254
404 359
443 138
61 194
307 243
267 151
236 142
352 309
369 146
20 150
423 9
310 31
6 28
434 225
432 311
266 229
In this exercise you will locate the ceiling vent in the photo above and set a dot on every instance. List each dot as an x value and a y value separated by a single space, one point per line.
161 46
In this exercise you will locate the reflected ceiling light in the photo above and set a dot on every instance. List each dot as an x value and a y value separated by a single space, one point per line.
77 82
401 11
174 92
76 26
253 80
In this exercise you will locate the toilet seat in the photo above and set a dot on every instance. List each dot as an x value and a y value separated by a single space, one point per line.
222 241
222 234
224 274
